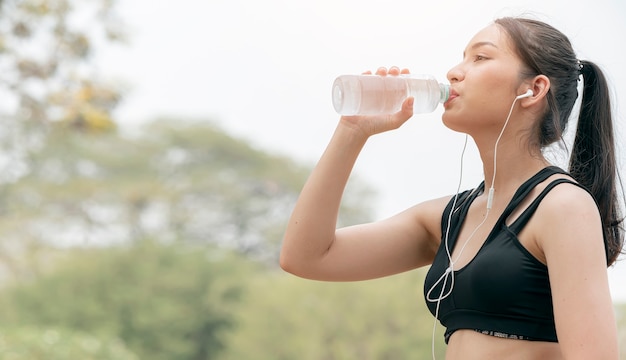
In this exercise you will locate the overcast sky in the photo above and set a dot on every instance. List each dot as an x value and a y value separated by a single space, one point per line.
263 71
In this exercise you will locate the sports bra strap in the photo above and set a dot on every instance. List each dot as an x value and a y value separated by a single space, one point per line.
526 188
465 199
523 219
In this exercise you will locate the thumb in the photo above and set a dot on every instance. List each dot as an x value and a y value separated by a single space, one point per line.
404 114
407 109
408 104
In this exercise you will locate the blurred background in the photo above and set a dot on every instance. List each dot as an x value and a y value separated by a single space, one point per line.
151 153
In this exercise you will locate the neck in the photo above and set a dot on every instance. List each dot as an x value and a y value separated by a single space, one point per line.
509 166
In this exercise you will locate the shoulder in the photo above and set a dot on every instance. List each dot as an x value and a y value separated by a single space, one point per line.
568 222
571 237
567 201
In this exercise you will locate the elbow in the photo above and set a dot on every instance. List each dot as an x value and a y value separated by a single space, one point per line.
286 261
290 266
290 263
298 257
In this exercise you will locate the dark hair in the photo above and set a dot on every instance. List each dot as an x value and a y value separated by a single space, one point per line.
545 50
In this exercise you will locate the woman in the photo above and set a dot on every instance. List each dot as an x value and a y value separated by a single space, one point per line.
518 264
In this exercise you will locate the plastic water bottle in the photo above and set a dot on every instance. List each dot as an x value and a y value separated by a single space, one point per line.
374 94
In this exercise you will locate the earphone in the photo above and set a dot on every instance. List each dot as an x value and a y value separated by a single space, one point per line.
449 272
528 93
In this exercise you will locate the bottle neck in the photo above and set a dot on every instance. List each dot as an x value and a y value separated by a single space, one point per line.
444 92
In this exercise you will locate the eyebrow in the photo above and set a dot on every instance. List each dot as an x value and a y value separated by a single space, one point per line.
481 44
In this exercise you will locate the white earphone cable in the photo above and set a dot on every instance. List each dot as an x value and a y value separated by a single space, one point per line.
449 272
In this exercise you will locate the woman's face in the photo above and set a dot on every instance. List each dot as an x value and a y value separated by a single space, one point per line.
484 84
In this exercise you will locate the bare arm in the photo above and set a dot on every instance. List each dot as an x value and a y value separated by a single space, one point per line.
313 248
573 245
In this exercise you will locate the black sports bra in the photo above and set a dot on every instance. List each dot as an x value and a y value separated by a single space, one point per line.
504 291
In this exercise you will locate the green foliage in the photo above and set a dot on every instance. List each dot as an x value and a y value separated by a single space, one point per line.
183 302
79 200
73 228
163 302
174 181
292 318
54 344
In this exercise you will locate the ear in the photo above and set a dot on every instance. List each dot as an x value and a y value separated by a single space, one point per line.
539 85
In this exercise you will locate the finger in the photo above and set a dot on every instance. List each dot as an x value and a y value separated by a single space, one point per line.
408 104
405 113
407 108
405 71
394 70
381 71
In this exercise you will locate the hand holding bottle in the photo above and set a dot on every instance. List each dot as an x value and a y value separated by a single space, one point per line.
368 94
381 122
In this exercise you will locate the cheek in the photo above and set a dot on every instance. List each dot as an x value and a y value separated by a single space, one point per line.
491 103
478 110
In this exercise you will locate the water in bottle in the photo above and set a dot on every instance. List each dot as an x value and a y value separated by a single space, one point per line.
374 94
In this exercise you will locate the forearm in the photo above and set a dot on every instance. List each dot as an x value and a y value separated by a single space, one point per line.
311 228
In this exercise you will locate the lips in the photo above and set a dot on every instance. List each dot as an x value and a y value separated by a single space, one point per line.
453 95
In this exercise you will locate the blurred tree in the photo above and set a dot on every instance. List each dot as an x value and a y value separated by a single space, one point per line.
307 320
175 182
163 301
182 183
46 75
46 81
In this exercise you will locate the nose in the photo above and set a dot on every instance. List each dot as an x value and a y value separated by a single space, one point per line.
455 74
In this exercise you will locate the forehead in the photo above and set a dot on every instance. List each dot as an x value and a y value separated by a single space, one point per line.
492 36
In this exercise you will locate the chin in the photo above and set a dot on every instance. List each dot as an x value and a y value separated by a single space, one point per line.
450 120
455 122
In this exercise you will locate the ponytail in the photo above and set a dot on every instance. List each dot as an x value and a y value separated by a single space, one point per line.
545 50
593 161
